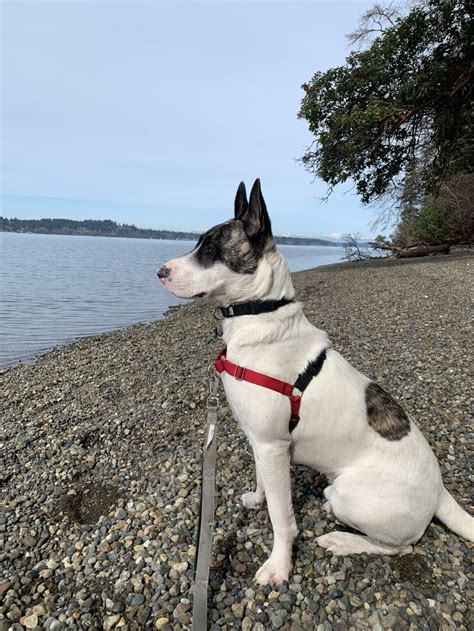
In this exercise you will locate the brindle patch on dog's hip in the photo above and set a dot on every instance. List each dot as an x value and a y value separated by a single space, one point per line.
384 414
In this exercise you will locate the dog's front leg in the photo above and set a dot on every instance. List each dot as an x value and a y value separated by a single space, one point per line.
273 464
255 499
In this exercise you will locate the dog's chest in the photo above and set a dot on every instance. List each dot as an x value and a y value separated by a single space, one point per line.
262 413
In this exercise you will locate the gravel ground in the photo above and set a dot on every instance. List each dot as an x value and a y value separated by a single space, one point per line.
102 444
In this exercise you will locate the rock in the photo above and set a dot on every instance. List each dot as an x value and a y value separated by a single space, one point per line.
277 622
30 622
238 610
110 622
181 567
134 600
388 621
120 514
39 610
355 601
14 613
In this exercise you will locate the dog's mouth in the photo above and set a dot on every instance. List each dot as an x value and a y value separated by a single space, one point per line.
201 294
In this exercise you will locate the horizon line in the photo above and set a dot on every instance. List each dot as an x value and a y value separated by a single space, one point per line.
194 231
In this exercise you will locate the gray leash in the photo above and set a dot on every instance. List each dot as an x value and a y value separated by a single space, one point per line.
206 518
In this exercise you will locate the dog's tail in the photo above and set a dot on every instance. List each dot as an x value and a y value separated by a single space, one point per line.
454 517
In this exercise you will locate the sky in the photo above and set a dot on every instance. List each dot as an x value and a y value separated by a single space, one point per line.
151 113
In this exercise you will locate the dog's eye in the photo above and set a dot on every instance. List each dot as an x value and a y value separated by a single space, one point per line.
210 249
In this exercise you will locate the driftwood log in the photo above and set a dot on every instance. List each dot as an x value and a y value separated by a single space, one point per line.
423 250
418 249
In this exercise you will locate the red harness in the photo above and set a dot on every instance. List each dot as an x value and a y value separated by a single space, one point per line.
222 364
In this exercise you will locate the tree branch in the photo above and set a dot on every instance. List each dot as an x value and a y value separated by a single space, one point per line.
463 80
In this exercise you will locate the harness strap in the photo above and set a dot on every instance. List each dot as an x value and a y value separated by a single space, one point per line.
312 370
222 364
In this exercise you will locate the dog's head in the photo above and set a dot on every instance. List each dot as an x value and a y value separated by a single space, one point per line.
227 259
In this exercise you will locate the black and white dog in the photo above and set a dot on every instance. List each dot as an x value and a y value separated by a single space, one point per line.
384 479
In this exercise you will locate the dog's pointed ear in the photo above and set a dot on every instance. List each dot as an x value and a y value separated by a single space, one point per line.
241 204
256 220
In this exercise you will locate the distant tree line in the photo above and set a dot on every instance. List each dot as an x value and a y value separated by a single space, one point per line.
89 227
109 228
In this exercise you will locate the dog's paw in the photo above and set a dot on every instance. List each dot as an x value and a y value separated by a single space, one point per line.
334 544
272 573
341 543
327 508
252 500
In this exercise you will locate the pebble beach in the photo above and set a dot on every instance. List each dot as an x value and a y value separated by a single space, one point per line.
102 446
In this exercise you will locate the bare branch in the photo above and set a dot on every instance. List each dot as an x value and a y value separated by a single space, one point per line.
354 252
375 20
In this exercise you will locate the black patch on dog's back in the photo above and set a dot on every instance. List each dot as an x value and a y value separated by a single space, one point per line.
384 414
229 244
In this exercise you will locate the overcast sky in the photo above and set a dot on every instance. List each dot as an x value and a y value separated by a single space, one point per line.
152 112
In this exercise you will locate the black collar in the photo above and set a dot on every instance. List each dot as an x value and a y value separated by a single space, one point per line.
254 308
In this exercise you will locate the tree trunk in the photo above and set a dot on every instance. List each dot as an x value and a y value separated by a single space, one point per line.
423 250
418 249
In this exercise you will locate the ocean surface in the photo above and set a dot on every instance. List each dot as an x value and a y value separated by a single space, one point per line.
55 289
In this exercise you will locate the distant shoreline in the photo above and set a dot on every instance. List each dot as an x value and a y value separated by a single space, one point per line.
108 228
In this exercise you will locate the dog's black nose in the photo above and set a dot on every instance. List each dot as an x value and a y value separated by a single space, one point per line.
163 272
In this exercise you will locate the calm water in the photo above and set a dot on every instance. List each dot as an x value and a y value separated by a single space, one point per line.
55 289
